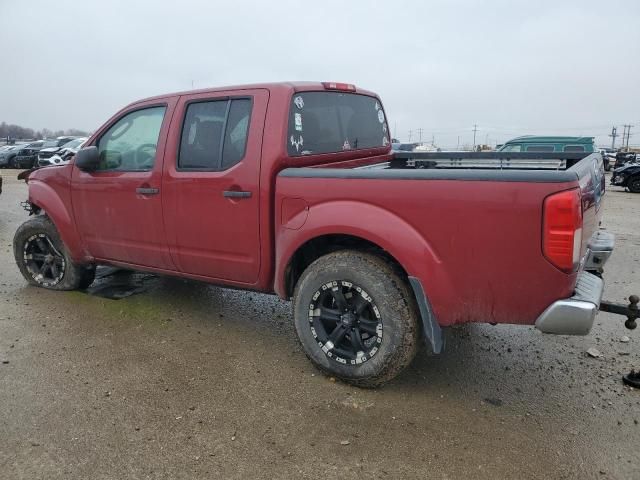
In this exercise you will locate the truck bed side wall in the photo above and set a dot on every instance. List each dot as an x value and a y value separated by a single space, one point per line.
475 245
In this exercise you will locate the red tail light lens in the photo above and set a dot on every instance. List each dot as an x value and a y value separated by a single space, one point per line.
562 229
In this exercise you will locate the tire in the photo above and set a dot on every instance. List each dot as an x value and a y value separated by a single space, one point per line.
12 162
387 309
634 184
43 259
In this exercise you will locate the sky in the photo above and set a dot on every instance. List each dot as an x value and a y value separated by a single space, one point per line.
509 67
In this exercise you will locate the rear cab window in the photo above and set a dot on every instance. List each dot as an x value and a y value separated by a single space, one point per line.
332 122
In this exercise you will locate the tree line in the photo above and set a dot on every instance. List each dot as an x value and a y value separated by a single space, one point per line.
22 133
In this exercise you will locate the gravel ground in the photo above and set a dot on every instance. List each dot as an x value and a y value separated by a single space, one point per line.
187 380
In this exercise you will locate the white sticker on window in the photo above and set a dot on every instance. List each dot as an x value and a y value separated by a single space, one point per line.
299 102
298 121
380 116
297 142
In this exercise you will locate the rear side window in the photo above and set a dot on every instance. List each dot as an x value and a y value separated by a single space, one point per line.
329 122
214 134
540 148
574 148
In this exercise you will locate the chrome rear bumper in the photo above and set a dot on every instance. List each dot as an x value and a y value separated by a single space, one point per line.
575 315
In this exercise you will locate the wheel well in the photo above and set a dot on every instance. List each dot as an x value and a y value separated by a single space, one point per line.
319 246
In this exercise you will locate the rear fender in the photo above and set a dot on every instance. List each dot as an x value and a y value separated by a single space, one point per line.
376 225
46 199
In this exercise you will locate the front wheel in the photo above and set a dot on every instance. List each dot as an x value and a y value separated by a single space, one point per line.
356 318
43 259
634 185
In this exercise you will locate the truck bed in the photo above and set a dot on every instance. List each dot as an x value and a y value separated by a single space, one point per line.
472 235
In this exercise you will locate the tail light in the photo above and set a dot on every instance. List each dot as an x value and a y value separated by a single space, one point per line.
347 87
562 229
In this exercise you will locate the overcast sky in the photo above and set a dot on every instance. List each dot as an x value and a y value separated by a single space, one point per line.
511 67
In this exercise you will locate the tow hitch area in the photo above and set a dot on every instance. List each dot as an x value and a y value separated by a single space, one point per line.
632 313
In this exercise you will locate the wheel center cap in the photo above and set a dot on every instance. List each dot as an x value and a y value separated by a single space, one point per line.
48 258
348 319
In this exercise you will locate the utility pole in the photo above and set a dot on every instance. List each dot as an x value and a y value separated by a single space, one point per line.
627 130
410 133
458 147
475 129
420 130
613 136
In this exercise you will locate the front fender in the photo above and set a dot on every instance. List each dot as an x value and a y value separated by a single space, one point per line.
48 200
375 224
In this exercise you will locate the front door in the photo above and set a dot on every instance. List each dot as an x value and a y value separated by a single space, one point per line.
211 185
118 208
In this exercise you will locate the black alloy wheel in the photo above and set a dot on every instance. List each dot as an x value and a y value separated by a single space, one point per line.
43 261
345 322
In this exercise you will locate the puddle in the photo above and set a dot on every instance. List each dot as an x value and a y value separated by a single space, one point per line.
116 283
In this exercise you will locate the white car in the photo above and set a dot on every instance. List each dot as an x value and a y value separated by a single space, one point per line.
65 154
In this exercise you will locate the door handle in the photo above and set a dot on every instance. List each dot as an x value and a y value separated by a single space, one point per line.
236 194
147 191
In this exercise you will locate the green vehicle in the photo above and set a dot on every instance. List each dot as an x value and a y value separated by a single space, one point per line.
532 143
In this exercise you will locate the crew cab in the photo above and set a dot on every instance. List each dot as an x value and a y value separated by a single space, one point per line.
292 189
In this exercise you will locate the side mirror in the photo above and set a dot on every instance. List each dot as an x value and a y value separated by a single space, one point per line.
87 159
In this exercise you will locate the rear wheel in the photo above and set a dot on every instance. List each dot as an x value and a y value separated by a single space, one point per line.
634 185
43 259
355 318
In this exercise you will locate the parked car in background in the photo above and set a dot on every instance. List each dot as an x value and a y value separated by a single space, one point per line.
26 155
64 154
532 143
627 176
51 147
623 158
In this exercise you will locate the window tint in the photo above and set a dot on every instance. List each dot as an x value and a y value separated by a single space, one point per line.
574 148
214 134
130 143
540 148
511 148
327 122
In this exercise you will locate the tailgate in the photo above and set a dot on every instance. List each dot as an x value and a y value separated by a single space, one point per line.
590 171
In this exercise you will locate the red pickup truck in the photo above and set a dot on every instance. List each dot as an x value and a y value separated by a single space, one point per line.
292 188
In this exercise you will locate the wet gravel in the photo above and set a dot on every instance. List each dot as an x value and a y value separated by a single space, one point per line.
186 380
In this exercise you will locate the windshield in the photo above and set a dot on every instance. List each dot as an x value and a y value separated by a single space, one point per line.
329 122
50 143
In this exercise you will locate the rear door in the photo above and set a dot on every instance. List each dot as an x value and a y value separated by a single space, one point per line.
211 184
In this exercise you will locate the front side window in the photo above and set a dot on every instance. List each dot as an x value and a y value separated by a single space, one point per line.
214 134
511 148
130 143
330 122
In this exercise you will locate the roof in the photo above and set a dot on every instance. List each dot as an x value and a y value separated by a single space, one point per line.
293 86
549 139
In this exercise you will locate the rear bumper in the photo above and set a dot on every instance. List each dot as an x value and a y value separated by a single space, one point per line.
575 315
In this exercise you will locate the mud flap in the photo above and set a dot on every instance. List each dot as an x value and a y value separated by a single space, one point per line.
430 326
